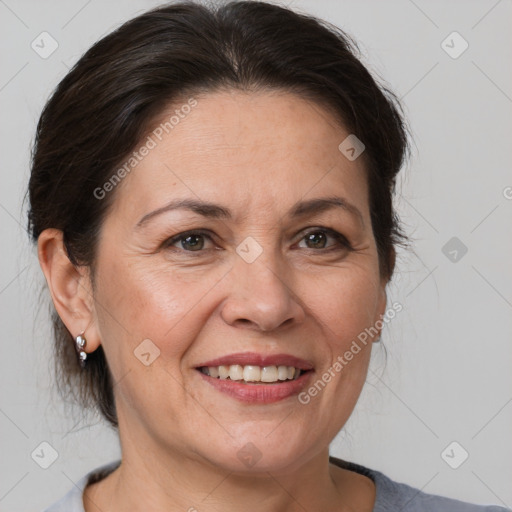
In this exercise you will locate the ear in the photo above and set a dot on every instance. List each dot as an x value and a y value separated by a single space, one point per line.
70 287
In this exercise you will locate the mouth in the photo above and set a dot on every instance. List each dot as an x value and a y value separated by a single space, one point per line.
251 374
257 378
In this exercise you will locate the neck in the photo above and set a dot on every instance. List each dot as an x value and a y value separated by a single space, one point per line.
155 479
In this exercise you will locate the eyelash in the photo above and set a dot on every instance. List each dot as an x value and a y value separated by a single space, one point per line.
341 239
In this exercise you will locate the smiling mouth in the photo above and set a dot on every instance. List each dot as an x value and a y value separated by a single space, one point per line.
251 374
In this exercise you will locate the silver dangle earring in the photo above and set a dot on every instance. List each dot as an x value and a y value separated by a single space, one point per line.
80 343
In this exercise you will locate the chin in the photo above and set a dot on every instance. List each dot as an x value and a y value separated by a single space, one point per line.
258 452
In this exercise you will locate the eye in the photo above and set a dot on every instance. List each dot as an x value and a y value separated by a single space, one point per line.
318 238
192 241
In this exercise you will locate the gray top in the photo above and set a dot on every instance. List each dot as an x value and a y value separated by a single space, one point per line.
390 496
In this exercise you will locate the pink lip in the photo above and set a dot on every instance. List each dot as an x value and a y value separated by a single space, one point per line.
258 393
253 358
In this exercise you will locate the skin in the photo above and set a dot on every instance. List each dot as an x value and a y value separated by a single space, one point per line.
256 154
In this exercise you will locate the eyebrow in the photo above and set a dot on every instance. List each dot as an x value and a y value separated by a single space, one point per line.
216 211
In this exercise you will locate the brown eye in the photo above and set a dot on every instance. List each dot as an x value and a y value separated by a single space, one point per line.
188 242
318 239
192 242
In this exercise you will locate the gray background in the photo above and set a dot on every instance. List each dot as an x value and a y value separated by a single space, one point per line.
448 374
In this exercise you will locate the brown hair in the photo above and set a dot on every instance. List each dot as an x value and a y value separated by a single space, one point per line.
107 102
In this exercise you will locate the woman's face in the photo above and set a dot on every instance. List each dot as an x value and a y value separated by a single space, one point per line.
263 274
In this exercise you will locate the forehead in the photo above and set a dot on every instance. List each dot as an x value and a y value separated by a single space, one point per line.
265 149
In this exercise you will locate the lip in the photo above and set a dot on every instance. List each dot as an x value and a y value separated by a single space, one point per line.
258 393
253 358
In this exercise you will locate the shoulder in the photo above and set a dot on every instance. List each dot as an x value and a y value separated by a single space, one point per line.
392 496
72 501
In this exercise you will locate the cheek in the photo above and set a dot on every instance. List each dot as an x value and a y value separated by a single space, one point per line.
345 303
144 301
148 310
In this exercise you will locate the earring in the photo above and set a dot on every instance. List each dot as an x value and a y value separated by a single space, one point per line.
80 343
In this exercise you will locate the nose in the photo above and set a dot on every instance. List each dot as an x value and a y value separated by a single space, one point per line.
260 297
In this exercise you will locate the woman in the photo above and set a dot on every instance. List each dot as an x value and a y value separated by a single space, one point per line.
211 196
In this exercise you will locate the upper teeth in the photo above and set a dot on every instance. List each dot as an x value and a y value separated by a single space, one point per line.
250 373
